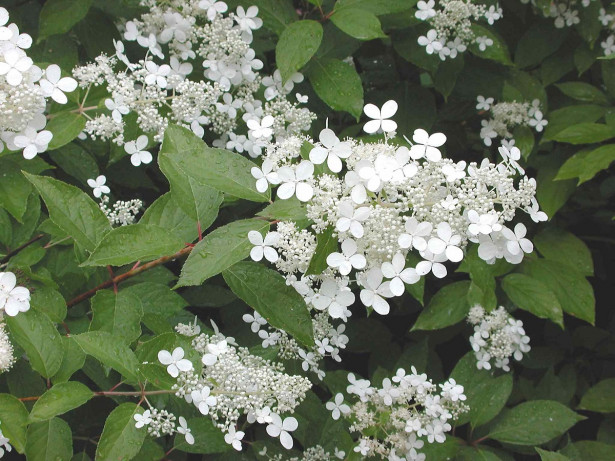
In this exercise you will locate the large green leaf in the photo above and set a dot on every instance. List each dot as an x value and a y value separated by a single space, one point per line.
585 133
72 211
185 155
533 296
377 7
111 351
358 23
533 423
337 84
276 15
65 127
219 250
448 307
59 16
537 43
14 419
35 333
497 52
156 298
166 213
119 314
582 91
571 115
60 399
296 46
14 189
72 360
551 455
559 245
587 164
120 439
50 302
287 210
136 242
49 440
266 291
600 398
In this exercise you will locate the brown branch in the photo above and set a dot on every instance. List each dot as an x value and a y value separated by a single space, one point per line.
18 249
131 273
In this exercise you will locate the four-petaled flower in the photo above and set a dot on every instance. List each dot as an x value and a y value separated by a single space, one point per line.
294 181
334 298
261 128
282 429
13 299
397 271
375 292
136 152
143 419
332 150
350 219
380 117
348 259
264 246
175 361
427 145
54 85
203 399
183 428
446 242
337 407
98 186
265 175
233 437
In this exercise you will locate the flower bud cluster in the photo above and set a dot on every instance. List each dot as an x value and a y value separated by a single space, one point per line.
122 213
25 90
497 337
505 116
396 420
451 22
13 300
163 87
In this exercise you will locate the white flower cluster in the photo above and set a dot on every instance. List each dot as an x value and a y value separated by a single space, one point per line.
123 212
451 23
13 300
505 116
608 22
24 92
160 89
316 453
417 411
5 447
564 12
230 383
497 337
380 202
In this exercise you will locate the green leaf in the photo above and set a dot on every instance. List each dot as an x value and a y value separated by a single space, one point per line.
533 296
276 15
35 333
156 298
533 423
296 46
49 441
287 210
537 43
184 152
166 213
377 7
208 439
60 399
219 250
524 140
358 23
571 115
119 314
72 211
550 455
552 195
76 161
59 16
558 245
497 52
111 351
582 91
338 85
587 164
72 360
446 76
120 439
448 307
486 394
14 189
136 242
65 127
600 398
50 302
326 244
573 291
585 133
14 419
266 291
587 450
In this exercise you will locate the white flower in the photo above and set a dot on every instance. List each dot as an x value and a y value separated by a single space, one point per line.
452 390
538 122
98 185
483 42
332 150
269 338
493 14
157 74
396 271
131 32
363 447
431 42
425 10
175 361
183 429
248 20
427 145
511 155
234 437
334 298
339 454
213 7
55 86
483 224
282 429
535 213
347 259
16 64
517 242
302 99
388 392
338 407
375 292
454 172
117 109
255 320
260 415
358 192
261 128
5 32
136 152
380 117
359 387
455 47
432 263
143 419
415 236
150 43
203 400
446 242
294 181
265 175
263 247
213 351
33 142
350 219
483 103
13 299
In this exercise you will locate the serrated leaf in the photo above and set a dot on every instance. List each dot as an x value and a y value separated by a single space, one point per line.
60 399
50 302
72 211
533 296
136 242
448 307
338 85
266 291
110 351
533 423
166 213
296 46
35 333
59 16
559 245
49 441
72 360
65 127
14 418
120 439
358 23
219 250
119 314
156 298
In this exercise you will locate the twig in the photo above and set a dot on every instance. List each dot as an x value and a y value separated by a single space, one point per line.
18 249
